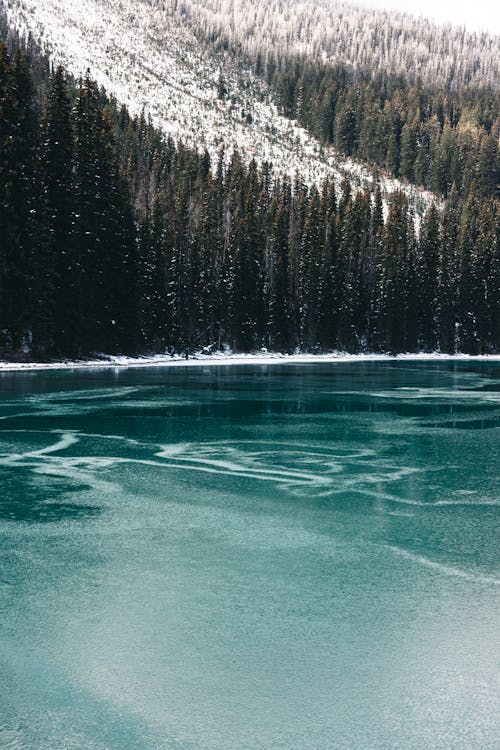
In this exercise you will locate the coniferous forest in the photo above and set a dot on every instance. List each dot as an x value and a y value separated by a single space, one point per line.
388 97
113 239
436 138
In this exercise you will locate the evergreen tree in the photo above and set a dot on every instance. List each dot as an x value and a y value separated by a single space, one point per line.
393 292
18 204
448 279
115 239
9 221
279 335
468 283
309 274
409 150
57 278
328 313
428 267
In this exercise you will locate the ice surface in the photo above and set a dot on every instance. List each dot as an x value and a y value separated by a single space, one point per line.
253 557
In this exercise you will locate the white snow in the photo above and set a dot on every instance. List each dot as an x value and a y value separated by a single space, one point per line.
336 31
149 58
218 359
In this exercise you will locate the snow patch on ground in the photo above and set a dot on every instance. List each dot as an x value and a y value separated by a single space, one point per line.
151 61
258 358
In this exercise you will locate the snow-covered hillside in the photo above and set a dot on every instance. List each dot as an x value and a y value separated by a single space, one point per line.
337 31
145 55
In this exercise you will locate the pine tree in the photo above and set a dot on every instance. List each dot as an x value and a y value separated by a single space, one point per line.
375 272
448 278
353 239
468 284
494 279
328 313
103 234
485 279
56 282
428 267
276 288
120 299
345 128
18 200
309 274
409 135
394 302
489 166
8 216
295 231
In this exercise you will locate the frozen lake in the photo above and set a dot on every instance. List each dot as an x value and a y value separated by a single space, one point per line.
286 557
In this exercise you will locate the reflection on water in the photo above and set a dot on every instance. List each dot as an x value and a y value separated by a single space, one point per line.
250 557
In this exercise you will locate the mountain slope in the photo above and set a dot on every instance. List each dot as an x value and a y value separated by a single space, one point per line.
115 240
145 55
335 31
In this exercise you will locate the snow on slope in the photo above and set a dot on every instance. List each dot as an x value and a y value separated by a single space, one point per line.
150 60
342 32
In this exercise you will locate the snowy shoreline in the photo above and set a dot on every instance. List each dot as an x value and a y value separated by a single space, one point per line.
259 358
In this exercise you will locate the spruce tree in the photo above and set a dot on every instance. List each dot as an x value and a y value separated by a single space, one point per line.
468 283
428 268
56 288
309 274
394 282
9 220
18 201
448 278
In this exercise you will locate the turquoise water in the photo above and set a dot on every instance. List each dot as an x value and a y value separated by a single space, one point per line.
250 558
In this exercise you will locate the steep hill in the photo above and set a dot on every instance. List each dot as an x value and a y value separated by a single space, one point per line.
114 239
335 31
147 55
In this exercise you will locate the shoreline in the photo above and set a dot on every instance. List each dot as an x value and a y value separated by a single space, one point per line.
223 359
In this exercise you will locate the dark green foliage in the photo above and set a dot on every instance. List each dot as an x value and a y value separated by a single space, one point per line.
113 239
415 132
19 196
56 276
428 279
